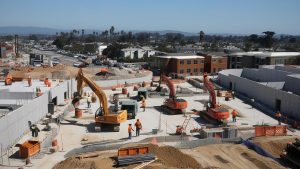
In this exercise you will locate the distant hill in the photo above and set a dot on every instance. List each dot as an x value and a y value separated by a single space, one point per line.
10 30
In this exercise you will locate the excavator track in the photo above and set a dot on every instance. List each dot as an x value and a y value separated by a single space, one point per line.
203 114
167 110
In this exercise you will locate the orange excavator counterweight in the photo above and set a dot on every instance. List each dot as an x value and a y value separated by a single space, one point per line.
214 110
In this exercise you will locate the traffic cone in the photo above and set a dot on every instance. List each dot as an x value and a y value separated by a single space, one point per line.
154 141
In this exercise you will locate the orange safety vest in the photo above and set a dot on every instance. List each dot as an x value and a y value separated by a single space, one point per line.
234 113
129 129
138 124
278 114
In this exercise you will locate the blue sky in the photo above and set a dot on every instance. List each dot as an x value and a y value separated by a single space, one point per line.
211 16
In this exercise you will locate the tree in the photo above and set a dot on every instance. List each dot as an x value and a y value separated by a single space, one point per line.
82 33
201 36
111 32
267 41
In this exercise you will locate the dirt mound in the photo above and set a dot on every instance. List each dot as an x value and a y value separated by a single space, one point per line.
172 157
274 145
57 72
75 163
231 156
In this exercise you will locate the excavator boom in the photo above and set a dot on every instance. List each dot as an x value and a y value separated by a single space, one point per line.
81 79
102 116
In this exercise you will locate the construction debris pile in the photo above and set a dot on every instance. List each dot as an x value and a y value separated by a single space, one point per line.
57 72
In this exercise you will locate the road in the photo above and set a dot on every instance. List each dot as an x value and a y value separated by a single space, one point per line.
66 60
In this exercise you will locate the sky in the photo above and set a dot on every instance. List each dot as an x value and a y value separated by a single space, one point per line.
211 16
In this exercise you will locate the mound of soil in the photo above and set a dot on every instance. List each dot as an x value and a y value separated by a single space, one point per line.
274 145
172 157
75 163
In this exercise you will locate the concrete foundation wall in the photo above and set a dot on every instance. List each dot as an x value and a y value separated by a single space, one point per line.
58 92
14 125
109 83
292 84
265 95
288 69
4 94
264 75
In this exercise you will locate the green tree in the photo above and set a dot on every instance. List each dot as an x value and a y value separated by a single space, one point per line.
201 37
267 41
111 32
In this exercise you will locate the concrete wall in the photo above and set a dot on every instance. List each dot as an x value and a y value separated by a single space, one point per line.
110 83
265 95
292 84
4 94
15 124
288 69
264 75
58 92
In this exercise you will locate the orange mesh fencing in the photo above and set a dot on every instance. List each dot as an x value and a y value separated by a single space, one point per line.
280 130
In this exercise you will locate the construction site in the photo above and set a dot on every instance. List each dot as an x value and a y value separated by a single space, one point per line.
64 117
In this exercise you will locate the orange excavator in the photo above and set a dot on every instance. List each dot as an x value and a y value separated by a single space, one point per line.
173 105
103 117
214 111
8 79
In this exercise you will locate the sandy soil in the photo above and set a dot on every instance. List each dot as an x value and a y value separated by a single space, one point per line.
231 156
168 157
274 145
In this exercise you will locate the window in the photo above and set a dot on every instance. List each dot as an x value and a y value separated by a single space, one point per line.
189 62
195 70
195 61
181 62
181 71
214 70
214 60
202 61
188 70
201 70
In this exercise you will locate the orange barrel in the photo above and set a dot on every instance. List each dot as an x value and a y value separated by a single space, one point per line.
124 90
29 81
78 113
54 142
94 99
49 84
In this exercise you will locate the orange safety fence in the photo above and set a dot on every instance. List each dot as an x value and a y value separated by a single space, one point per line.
280 130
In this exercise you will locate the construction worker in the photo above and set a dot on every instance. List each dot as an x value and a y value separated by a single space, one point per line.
234 114
143 102
278 117
89 100
138 127
130 129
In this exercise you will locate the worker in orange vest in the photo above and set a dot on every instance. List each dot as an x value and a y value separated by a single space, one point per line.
234 114
138 127
130 129
278 117
143 103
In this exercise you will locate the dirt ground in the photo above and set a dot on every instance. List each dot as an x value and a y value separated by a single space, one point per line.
274 145
231 156
168 158
66 72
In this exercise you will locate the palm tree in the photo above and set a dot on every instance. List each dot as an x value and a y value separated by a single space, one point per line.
111 32
82 32
201 37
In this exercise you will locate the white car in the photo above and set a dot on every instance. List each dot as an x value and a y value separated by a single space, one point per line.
77 64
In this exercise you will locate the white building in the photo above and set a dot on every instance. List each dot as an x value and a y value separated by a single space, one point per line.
138 52
101 48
